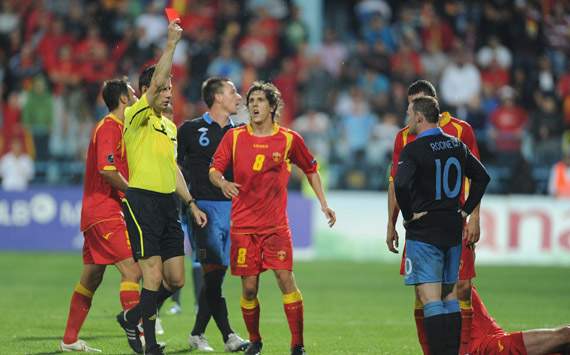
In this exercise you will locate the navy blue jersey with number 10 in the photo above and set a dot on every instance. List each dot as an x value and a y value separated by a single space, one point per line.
431 170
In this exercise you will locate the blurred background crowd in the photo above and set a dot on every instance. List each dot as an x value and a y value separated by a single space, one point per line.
500 65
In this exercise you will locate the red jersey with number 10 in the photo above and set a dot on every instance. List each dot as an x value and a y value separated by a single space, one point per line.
101 201
262 166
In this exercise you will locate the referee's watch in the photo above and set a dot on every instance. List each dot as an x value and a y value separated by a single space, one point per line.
190 202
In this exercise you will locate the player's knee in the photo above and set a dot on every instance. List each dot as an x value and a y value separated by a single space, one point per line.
249 292
464 290
175 283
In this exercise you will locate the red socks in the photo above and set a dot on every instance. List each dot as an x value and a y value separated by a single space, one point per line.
129 294
250 311
78 310
293 305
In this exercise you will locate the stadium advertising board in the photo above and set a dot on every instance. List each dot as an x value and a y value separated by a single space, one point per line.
48 219
514 230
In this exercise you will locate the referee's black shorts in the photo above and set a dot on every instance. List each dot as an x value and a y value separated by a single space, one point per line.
153 224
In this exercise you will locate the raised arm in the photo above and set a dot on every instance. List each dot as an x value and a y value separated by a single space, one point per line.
162 72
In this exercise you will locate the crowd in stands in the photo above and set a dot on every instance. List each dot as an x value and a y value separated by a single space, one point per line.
500 65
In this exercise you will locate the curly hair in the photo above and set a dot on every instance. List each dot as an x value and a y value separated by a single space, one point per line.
272 94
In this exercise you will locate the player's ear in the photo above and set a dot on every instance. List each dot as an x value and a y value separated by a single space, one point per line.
124 99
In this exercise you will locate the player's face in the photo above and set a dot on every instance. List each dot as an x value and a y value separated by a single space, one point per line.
165 95
412 120
259 107
231 99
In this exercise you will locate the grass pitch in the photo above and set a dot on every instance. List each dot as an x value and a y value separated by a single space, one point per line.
350 308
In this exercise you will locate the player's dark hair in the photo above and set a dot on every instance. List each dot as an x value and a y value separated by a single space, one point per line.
428 106
112 91
272 94
211 87
146 77
422 87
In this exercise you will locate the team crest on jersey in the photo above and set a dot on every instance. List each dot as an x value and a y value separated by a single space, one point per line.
276 157
110 158
281 255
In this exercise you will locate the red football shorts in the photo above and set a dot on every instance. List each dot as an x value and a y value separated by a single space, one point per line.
251 254
511 343
106 243
466 266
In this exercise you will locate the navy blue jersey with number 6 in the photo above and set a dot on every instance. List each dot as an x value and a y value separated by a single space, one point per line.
431 170
197 143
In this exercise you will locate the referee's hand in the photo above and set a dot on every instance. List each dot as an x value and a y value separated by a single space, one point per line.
174 31
230 189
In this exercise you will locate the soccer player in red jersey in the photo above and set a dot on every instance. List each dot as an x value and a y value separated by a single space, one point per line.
488 338
464 132
106 240
261 154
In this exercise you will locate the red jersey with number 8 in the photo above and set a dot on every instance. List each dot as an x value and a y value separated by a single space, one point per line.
262 166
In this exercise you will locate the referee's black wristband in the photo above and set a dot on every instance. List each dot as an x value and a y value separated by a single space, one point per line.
189 202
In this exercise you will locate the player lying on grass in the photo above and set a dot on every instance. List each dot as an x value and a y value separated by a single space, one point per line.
488 338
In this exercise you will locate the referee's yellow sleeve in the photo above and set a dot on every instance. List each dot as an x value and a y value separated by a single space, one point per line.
137 112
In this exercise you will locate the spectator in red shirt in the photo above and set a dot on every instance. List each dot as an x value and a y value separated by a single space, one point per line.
51 42
508 123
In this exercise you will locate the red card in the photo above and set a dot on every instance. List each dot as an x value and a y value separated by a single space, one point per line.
171 14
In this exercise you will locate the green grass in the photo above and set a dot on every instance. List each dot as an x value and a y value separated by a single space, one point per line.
350 308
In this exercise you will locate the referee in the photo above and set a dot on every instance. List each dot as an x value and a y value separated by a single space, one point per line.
197 143
150 206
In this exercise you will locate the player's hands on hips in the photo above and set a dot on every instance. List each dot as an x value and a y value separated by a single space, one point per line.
331 216
230 189
392 238
174 31
199 216
472 231
415 217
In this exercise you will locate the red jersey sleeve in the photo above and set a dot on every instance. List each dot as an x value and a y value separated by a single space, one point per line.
301 156
107 138
470 140
224 153
398 145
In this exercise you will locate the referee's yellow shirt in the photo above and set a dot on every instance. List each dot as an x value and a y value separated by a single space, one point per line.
151 148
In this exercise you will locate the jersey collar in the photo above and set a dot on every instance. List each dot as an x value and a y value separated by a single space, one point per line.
275 128
430 132
114 118
208 118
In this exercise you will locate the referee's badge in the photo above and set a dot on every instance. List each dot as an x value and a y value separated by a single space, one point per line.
110 158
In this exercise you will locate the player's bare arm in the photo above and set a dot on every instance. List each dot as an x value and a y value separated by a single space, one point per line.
161 76
182 190
229 189
115 179
392 238
473 228
317 186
